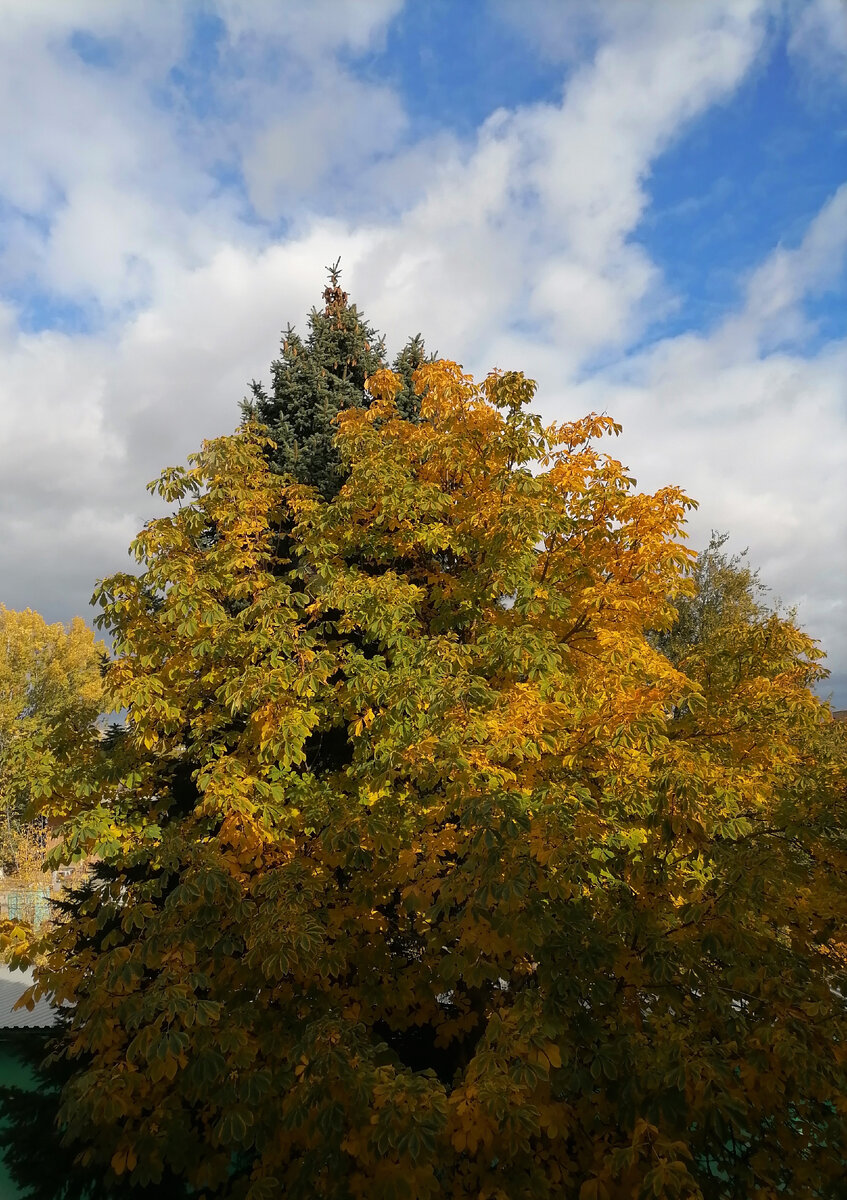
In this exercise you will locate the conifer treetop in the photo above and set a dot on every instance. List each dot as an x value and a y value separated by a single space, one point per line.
318 377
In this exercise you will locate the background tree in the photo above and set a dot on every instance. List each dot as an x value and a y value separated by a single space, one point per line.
51 692
410 892
727 594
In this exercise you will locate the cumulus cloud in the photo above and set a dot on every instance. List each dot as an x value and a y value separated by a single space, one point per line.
115 140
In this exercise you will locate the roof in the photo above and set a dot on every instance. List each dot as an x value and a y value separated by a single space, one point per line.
13 984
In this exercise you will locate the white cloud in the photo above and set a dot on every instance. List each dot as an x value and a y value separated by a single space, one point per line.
314 28
112 174
339 124
778 287
818 40
569 32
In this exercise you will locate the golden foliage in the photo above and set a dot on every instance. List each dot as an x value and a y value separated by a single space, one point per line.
50 694
425 872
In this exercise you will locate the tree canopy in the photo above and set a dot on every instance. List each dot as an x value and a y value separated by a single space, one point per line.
425 871
51 691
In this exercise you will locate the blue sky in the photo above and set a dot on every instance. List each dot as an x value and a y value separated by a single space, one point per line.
747 175
643 205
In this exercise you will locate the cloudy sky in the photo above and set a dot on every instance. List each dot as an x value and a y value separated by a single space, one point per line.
640 204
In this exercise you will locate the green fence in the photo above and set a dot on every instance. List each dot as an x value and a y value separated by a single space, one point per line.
27 904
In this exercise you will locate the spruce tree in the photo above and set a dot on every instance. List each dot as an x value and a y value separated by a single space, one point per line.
412 356
316 378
